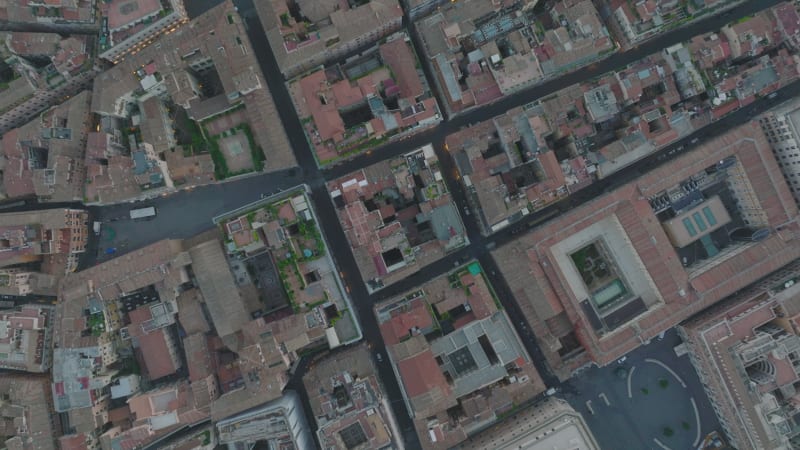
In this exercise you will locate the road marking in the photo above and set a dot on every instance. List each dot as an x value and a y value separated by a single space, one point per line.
589 406
660 444
655 361
605 399
697 423
630 376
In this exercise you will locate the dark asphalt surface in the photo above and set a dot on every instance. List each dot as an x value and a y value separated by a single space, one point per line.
181 215
187 213
60 28
326 213
634 422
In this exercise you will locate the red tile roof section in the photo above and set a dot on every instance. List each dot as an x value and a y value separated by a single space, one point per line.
420 374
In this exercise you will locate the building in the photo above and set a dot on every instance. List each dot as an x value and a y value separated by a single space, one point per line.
458 360
68 56
223 299
640 21
25 338
348 403
480 51
154 415
128 26
201 438
419 8
746 351
278 424
580 38
613 273
781 126
91 339
150 329
17 282
51 11
27 421
548 424
362 103
318 33
173 67
261 372
44 157
508 169
398 216
753 36
55 237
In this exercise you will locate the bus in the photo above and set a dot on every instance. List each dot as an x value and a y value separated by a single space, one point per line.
143 213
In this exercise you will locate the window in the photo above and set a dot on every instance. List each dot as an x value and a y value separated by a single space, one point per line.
709 216
698 219
689 227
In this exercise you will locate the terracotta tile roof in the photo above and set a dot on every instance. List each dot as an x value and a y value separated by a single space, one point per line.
73 442
542 291
156 355
421 374
788 18
399 326
399 57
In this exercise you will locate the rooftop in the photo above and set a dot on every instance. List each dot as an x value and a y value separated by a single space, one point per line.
25 338
750 340
125 13
27 421
215 280
157 345
549 424
463 364
337 26
398 216
669 285
367 100
508 163
347 401
45 153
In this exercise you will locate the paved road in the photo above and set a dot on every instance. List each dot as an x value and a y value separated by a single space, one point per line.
613 62
60 28
186 213
182 214
328 219
633 422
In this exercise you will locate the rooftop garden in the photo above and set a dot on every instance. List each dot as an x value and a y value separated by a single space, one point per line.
287 229
96 323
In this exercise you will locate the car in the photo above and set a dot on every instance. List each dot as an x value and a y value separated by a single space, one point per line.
378 356
622 360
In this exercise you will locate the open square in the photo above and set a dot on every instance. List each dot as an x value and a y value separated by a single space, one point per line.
237 153
652 399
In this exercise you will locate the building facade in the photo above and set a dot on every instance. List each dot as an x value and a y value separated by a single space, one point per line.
746 351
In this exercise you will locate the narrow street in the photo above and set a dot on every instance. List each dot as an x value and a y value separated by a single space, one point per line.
190 212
